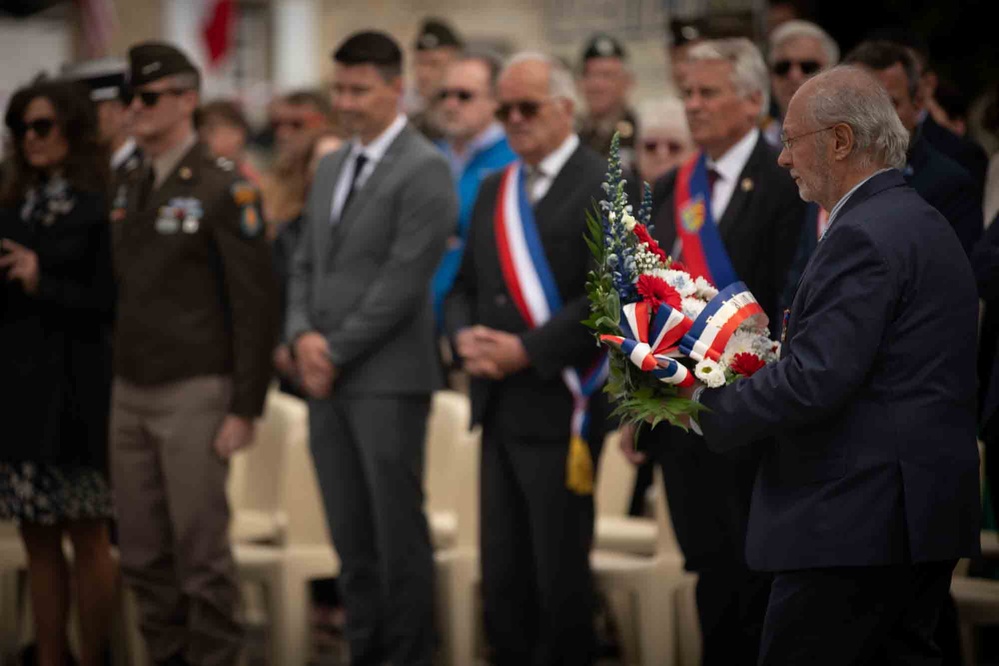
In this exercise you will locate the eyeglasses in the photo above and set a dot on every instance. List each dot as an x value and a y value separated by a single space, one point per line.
527 109
807 67
460 94
672 147
42 127
151 98
789 140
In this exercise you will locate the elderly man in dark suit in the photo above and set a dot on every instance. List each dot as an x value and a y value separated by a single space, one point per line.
759 215
530 360
870 493
360 322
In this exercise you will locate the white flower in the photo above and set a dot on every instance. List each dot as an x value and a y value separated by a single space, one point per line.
692 307
710 372
705 289
629 222
612 216
679 280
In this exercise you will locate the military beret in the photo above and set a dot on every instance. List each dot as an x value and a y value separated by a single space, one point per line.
684 31
435 34
107 78
604 46
150 61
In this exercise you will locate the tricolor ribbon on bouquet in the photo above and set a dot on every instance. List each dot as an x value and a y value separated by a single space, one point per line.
647 340
532 288
721 317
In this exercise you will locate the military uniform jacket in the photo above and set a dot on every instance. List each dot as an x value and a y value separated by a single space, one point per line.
196 289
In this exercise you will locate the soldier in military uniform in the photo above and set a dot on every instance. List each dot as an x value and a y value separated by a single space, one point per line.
605 82
107 79
436 47
196 325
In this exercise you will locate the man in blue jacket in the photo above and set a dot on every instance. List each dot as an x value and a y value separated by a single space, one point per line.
870 493
475 146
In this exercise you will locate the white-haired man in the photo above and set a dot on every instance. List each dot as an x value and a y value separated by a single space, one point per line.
530 360
798 51
729 213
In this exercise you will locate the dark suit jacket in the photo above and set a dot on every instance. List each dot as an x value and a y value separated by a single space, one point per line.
535 401
364 282
760 227
55 364
963 150
873 401
946 186
985 263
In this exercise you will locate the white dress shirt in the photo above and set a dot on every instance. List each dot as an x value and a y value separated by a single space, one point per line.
550 167
119 156
729 167
374 152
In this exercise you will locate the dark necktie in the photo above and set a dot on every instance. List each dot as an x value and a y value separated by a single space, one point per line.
359 163
713 177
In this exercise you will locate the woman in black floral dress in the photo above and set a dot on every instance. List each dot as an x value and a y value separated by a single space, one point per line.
56 299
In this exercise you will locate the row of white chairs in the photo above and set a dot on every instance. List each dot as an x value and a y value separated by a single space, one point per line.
281 543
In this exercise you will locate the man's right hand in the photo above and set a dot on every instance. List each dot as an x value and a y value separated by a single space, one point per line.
312 355
627 433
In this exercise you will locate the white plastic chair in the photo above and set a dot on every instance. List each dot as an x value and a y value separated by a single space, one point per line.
649 585
306 553
614 530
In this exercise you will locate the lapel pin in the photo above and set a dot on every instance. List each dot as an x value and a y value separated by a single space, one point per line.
185 173
747 184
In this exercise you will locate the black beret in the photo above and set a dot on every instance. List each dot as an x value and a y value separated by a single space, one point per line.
150 61
436 34
107 78
603 45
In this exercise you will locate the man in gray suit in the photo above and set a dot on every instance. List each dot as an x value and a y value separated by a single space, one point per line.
361 327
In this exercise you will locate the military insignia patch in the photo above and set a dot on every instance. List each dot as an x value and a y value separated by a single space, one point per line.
120 204
250 221
243 193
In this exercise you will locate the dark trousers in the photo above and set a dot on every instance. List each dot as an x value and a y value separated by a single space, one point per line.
535 536
369 454
709 496
856 615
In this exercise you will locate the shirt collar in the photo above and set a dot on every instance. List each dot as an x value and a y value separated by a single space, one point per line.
731 164
552 165
485 139
839 204
376 150
164 165
122 154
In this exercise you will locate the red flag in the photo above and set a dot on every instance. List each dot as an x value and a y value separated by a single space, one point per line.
218 30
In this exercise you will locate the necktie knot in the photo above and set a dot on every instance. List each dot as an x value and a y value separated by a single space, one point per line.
713 177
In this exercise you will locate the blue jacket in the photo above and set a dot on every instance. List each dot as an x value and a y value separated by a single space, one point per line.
872 405
483 163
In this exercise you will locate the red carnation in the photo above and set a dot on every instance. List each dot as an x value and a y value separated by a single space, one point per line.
678 266
746 364
656 291
644 237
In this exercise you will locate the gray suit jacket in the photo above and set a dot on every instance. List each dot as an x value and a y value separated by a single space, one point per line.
364 283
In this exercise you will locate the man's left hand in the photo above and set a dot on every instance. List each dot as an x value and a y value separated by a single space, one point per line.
235 433
505 350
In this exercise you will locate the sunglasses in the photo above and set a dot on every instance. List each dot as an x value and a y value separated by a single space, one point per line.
807 67
458 93
653 145
42 127
151 98
527 109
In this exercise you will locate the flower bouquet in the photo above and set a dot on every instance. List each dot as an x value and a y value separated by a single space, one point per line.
663 326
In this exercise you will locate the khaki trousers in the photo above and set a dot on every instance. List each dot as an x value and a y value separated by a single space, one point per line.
173 517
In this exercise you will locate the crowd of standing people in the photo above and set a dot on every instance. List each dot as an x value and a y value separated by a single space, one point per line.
164 263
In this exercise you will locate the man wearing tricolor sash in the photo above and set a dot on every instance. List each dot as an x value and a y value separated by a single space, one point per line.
729 214
514 317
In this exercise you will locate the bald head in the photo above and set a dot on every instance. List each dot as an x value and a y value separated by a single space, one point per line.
852 96
534 93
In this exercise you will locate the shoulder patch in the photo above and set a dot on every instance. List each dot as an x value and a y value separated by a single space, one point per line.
243 193
246 197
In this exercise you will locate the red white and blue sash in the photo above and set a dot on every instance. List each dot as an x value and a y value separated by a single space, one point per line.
719 319
703 252
532 287
648 346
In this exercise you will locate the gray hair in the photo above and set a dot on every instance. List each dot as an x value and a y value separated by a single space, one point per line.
851 95
798 29
749 72
662 113
560 82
